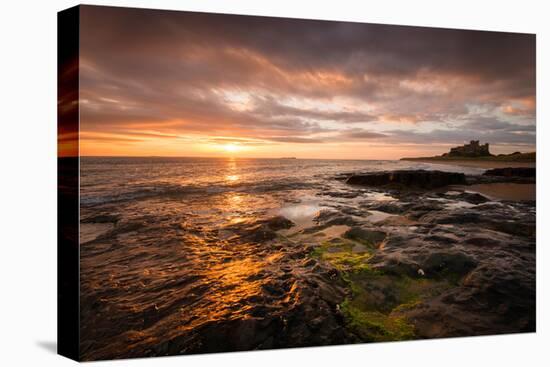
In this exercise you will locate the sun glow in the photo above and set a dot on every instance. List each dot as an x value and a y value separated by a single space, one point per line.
231 148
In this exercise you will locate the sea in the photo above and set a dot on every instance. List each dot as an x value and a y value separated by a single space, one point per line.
162 250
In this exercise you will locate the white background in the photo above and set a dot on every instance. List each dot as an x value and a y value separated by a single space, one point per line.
28 182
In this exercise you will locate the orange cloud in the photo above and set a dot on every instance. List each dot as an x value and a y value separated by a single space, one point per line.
281 85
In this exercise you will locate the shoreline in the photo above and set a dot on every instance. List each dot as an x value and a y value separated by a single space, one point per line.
336 256
475 163
504 191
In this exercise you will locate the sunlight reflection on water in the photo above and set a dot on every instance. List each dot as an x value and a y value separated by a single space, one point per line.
301 214
184 255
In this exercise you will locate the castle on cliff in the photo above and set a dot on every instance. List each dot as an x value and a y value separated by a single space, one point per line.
474 149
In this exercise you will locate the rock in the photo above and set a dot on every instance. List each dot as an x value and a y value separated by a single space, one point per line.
340 221
492 300
358 249
488 216
395 264
443 239
418 179
512 172
364 235
472 198
259 233
390 208
448 270
512 227
260 230
341 194
448 263
326 215
422 208
327 218
101 218
279 222
482 241
455 217
488 179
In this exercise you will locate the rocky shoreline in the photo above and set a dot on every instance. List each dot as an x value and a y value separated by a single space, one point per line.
395 256
423 179
449 263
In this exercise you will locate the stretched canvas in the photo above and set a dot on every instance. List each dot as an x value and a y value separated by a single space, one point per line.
234 183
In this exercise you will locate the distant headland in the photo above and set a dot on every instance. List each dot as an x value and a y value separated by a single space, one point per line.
474 151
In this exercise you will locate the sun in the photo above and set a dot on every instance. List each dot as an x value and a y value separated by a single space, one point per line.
231 148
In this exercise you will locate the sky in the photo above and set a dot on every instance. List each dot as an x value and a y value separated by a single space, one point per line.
195 84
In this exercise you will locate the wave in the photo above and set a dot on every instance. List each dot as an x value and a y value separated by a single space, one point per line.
173 190
103 184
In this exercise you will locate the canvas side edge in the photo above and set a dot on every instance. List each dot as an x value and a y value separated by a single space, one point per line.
68 325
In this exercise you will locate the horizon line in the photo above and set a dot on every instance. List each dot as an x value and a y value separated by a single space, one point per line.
228 157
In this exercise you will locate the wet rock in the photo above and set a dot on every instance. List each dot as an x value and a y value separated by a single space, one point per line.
395 264
416 211
101 218
436 255
488 179
499 217
450 270
279 222
371 237
453 217
231 335
341 194
325 215
340 221
444 239
513 227
416 179
352 211
493 300
472 197
329 218
512 172
482 241
508 292
326 218
332 295
260 233
358 248
260 230
310 262
342 176
391 208
448 262
272 289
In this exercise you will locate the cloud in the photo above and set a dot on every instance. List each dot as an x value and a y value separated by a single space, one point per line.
262 79
491 124
361 134
294 139
460 136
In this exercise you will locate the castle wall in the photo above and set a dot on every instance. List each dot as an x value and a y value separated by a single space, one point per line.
471 150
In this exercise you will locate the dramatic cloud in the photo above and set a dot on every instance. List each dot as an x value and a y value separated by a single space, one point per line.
156 79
